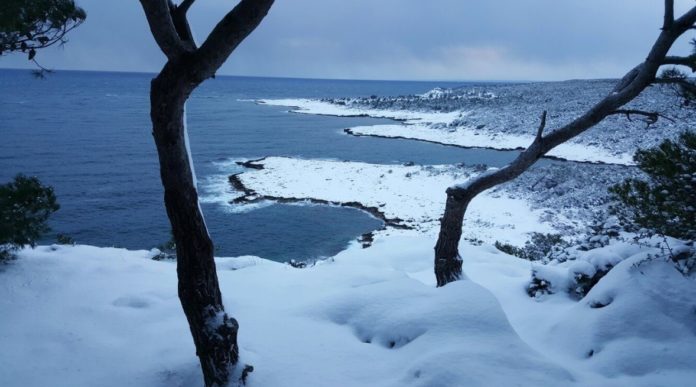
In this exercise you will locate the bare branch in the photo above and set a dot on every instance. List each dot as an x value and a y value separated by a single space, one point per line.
228 34
669 15
542 125
181 24
686 22
185 5
688 61
159 18
651 117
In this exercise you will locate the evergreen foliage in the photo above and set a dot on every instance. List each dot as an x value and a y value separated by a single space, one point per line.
25 205
29 25
666 202
538 247
684 86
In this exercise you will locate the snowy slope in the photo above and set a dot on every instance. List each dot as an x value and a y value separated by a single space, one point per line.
86 316
83 316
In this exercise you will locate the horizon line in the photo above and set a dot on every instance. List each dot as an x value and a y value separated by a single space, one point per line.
323 79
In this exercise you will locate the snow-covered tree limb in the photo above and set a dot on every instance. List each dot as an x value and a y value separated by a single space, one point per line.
447 260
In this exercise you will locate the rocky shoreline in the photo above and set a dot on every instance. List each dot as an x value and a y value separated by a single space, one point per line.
352 132
250 196
570 194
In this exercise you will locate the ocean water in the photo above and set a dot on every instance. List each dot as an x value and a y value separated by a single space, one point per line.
88 135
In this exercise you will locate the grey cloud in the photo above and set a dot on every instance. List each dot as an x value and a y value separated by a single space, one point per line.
391 39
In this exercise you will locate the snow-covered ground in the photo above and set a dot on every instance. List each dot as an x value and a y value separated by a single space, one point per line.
87 316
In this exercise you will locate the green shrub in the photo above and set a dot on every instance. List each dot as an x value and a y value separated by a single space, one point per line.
666 202
25 205
64 239
538 247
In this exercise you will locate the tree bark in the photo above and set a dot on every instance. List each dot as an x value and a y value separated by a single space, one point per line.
448 262
214 332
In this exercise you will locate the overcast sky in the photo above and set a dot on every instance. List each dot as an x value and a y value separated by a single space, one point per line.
389 39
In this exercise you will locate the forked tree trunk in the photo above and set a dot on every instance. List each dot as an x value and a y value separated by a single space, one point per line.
214 332
448 262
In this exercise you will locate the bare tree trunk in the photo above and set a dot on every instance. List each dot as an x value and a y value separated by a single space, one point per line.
448 262
214 332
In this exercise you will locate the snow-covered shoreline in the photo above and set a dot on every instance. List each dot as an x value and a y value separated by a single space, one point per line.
473 138
324 108
438 127
412 194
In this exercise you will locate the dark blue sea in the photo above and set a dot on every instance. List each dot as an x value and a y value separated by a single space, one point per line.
88 135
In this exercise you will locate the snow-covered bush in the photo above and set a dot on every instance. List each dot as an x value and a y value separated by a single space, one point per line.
540 283
684 258
601 232
167 250
538 247
25 205
575 277
666 203
579 274
585 274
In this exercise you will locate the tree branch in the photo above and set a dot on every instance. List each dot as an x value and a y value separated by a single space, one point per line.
181 24
669 15
185 5
688 61
651 117
542 125
227 35
686 22
632 84
683 83
159 18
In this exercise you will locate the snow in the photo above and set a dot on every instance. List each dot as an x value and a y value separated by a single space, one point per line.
318 107
439 127
473 138
646 326
85 316
187 144
415 194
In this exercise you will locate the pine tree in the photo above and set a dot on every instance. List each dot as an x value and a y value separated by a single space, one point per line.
25 205
666 202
